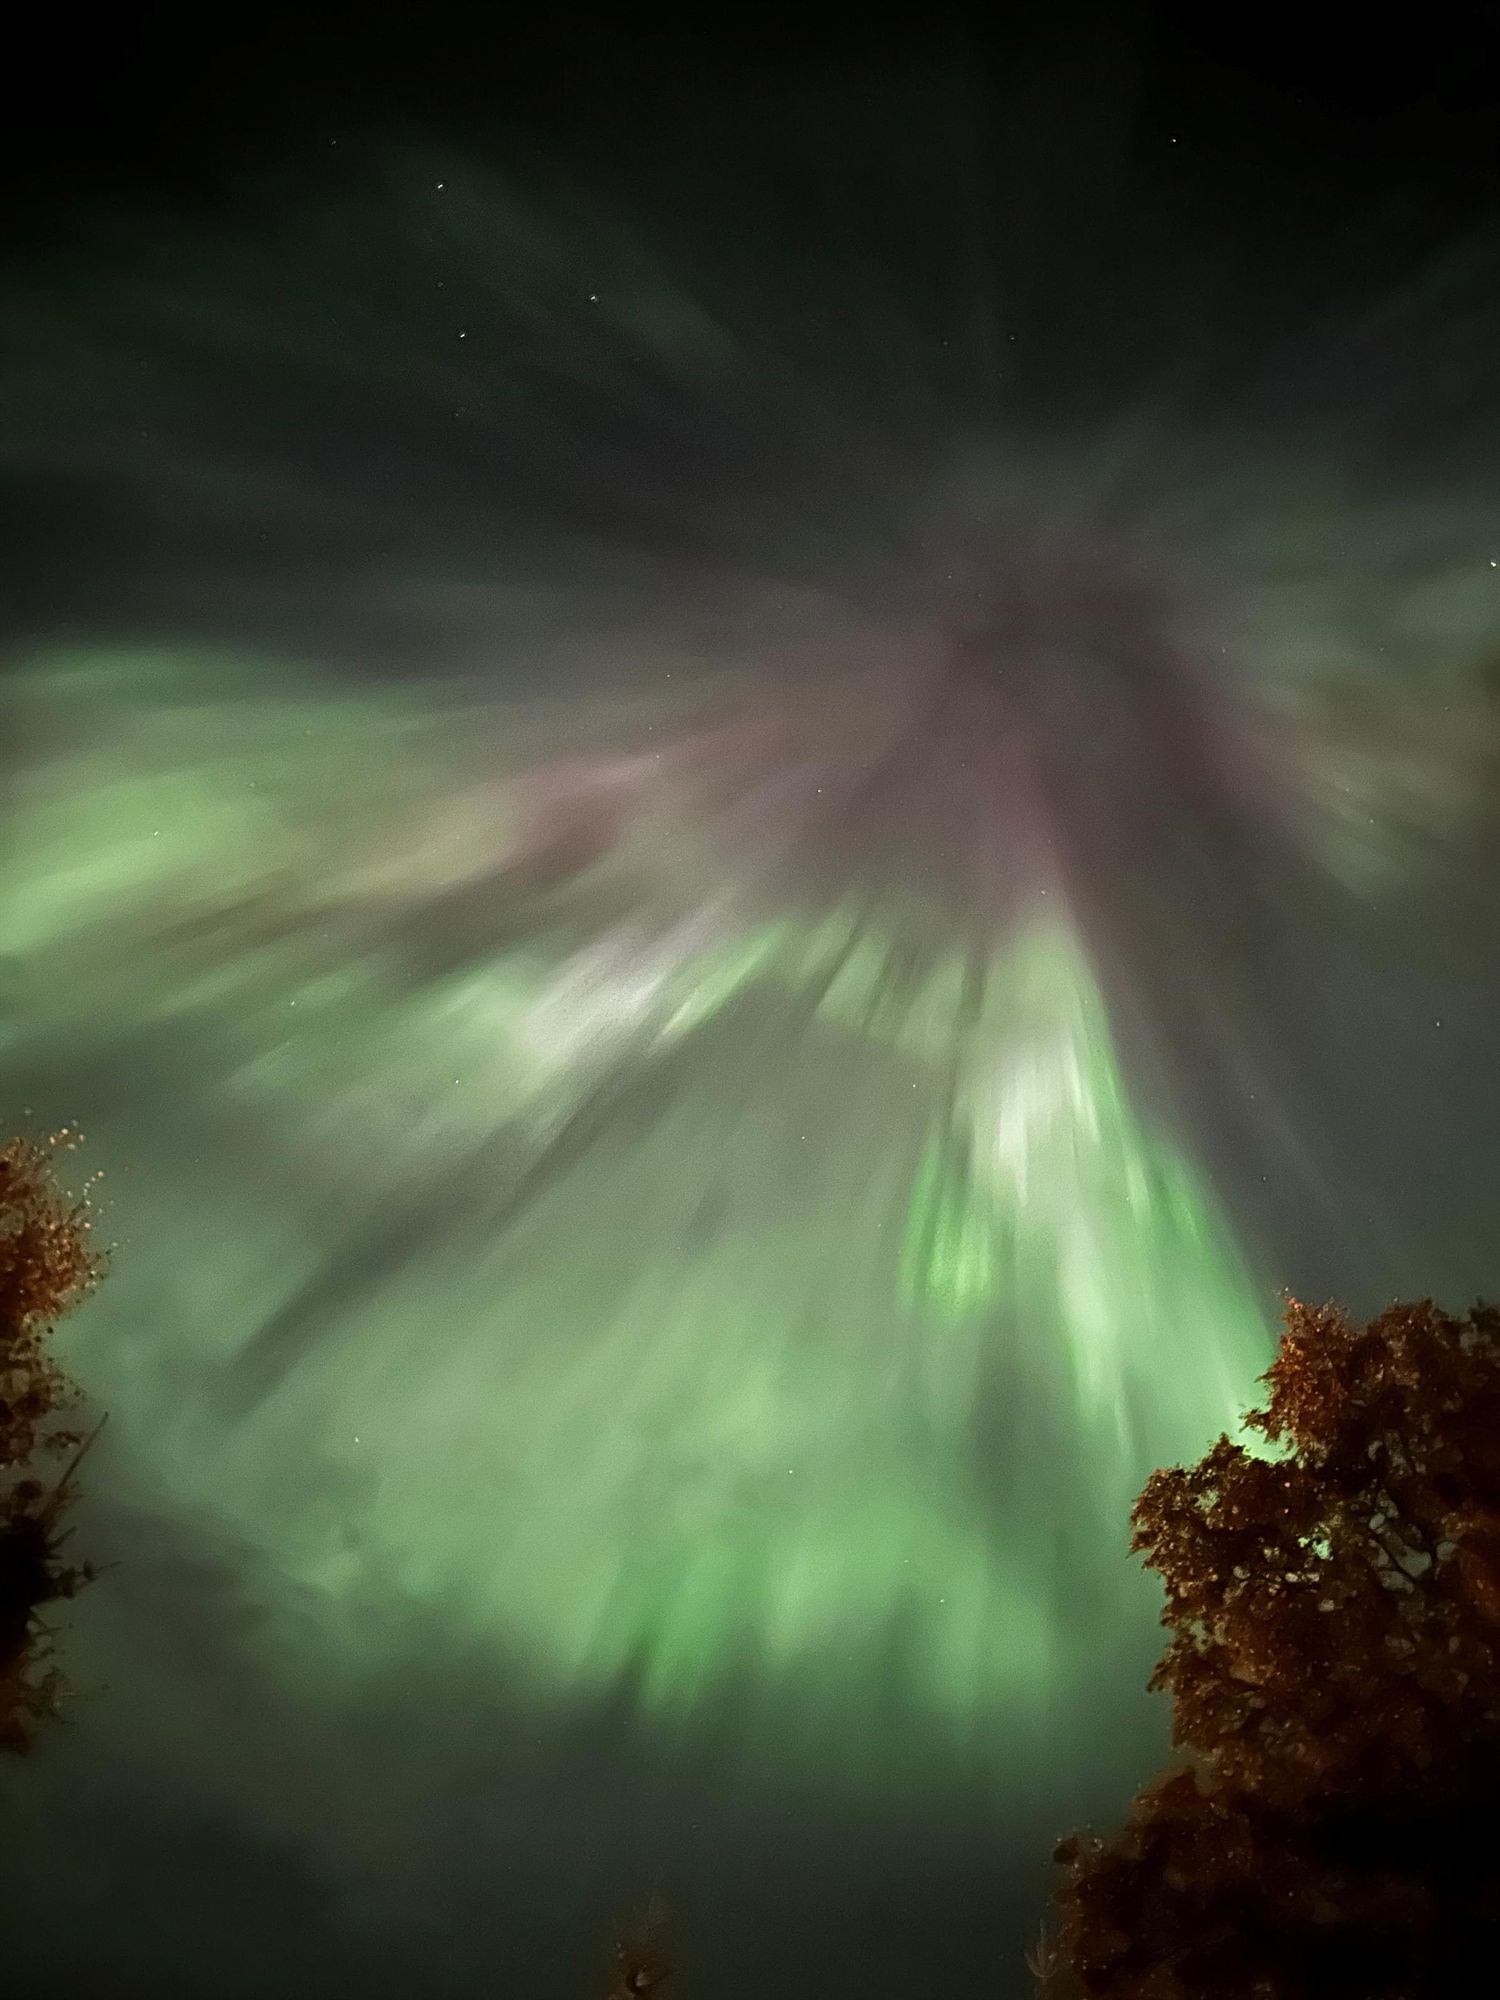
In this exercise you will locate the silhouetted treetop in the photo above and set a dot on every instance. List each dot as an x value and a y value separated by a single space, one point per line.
47 1267
1333 1602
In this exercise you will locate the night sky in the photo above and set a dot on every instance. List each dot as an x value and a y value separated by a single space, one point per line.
745 778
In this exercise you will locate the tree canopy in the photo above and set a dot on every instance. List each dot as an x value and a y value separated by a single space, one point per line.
47 1267
1334 1666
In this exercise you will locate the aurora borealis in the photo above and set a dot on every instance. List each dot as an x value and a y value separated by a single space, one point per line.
733 834
729 1459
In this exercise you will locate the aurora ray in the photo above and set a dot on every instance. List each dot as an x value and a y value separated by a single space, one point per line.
779 1293
637 1135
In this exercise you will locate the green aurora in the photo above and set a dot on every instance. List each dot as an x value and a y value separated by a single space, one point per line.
766 1328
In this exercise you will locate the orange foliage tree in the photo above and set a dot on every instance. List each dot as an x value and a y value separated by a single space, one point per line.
1334 1665
47 1266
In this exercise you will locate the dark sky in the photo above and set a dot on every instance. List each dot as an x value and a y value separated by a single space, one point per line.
1290 114
1191 195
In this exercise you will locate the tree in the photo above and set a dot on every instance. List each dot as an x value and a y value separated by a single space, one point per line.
1334 1667
47 1267
642 1967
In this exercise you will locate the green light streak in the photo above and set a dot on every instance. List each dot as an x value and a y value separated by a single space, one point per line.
953 1244
864 1293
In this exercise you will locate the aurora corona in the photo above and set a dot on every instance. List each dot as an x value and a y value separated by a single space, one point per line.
644 1130
677 1289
